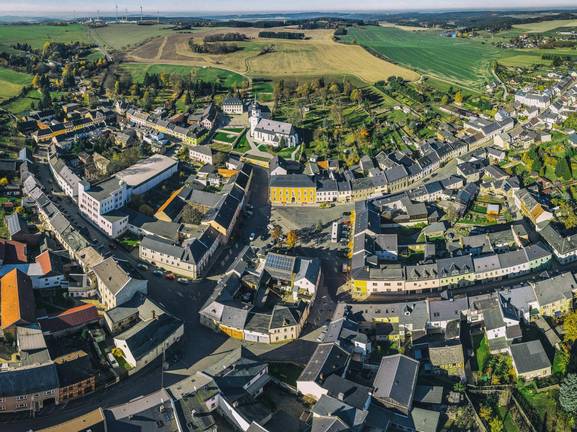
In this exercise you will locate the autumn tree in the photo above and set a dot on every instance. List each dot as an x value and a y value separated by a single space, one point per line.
496 424
357 96
291 239
486 412
459 97
276 232
3 181
570 327
567 215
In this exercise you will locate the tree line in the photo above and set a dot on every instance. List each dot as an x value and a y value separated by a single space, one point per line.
212 48
281 35
225 37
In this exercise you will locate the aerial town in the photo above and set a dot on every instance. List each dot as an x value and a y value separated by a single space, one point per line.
184 248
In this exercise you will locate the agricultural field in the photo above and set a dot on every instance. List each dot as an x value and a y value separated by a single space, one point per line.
208 74
317 56
123 36
545 26
11 82
37 35
465 62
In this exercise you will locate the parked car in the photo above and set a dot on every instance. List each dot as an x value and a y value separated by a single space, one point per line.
142 266
183 281
169 276
252 236
157 273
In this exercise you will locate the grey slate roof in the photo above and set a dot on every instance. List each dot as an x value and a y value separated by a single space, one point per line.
353 394
328 358
112 273
529 356
28 380
396 379
144 336
557 288
445 310
291 180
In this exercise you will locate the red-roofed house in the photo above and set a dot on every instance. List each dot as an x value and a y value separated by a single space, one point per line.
12 252
70 320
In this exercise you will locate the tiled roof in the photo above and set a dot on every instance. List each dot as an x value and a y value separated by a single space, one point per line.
17 299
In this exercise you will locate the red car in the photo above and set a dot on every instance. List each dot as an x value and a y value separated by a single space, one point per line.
169 276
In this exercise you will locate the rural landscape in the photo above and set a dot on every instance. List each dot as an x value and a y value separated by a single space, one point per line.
288 221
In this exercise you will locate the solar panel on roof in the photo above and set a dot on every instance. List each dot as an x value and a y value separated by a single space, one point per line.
279 262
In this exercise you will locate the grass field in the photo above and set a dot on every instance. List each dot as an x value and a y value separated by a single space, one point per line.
523 60
11 82
37 34
122 36
545 26
24 103
465 62
317 56
225 137
209 74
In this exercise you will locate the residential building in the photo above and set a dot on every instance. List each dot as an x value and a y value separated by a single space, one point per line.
149 338
555 295
328 359
395 381
189 259
116 285
17 304
530 360
232 105
201 153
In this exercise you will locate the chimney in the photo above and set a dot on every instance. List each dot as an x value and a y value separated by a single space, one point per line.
341 396
153 314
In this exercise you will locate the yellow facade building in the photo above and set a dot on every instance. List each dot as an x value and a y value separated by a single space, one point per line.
292 189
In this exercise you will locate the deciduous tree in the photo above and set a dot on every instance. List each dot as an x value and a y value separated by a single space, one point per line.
570 327
291 239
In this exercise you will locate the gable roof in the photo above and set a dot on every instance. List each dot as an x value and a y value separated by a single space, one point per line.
70 318
112 274
17 303
529 356
328 358
396 379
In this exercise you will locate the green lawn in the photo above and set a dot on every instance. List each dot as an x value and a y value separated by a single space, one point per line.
224 77
225 137
482 353
242 145
129 241
464 61
11 82
37 34
508 422
232 129
544 405
95 55
24 103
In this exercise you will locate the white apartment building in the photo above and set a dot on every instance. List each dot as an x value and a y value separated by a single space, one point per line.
100 201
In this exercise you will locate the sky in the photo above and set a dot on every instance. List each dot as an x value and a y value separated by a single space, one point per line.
106 7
